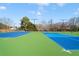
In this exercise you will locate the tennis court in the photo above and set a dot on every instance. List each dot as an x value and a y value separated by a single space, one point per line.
11 34
67 42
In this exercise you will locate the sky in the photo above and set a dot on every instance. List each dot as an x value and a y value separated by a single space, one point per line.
42 12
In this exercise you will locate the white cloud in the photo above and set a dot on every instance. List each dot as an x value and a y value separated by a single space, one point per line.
60 4
3 8
78 9
32 12
39 13
76 12
43 4
41 8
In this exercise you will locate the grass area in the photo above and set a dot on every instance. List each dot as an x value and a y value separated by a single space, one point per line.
31 44
71 33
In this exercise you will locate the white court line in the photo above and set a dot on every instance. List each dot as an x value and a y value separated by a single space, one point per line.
67 51
72 38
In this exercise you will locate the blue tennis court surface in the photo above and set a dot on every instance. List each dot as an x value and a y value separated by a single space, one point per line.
68 42
11 34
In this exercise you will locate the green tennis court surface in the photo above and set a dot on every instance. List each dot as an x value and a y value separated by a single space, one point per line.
32 44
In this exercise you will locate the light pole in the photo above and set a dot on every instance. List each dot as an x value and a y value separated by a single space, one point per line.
63 25
50 24
35 21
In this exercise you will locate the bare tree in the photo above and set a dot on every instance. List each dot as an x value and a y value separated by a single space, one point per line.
72 24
